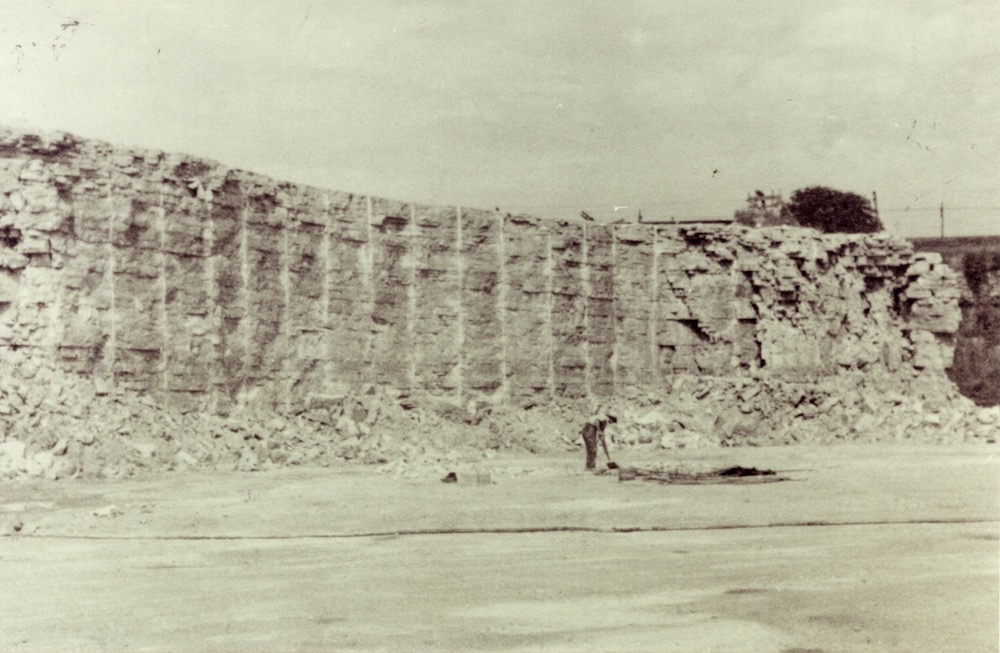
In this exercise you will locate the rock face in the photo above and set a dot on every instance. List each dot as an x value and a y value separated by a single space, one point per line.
977 345
214 289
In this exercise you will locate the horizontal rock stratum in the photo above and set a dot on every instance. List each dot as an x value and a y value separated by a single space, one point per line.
211 287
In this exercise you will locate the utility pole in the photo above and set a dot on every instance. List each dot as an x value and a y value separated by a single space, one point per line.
875 202
942 219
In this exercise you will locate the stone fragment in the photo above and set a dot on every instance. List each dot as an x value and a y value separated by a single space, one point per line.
248 462
184 458
44 460
806 411
9 527
988 415
347 427
144 448
233 440
12 450
864 424
359 413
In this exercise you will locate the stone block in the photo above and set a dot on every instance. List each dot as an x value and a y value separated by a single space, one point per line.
307 205
92 218
138 225
440 219
930 352
10 284
482 281
186 285
85 327
265 242
226 234
137 369
480 233
629 235
138 329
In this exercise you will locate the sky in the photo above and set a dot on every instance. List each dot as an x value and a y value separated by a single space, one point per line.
675 108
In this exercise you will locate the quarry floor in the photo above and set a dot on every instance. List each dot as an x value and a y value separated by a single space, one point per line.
868 548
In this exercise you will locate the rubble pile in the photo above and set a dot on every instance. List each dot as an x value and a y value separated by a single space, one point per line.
56 425
714 411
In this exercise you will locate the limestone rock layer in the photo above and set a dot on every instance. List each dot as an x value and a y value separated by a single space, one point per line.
213 288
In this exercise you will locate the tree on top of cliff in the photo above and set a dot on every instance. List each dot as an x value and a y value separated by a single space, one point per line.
832 210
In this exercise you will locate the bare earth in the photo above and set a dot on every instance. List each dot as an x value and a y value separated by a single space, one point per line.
868 548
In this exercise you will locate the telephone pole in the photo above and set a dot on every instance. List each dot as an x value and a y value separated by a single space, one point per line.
942 219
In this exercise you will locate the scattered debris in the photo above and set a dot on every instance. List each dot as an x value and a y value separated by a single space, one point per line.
13 527
57 426
734 474
744 471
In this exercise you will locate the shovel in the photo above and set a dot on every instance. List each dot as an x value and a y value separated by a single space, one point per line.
611 464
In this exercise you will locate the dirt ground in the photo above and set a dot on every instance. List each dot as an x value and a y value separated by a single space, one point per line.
867 548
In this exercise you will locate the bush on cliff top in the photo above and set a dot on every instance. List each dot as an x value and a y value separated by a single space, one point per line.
830 211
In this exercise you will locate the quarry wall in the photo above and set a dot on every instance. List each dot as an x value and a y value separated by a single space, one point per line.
976 368
213 288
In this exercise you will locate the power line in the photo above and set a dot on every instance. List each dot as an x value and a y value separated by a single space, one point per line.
920 209
686 205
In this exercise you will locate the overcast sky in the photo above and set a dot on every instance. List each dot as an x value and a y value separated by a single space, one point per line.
674 107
